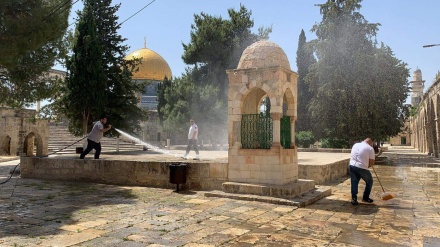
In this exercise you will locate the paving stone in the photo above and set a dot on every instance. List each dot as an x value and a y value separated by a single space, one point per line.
54 213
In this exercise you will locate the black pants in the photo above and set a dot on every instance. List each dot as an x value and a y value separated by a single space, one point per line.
356 174
91 145
192 143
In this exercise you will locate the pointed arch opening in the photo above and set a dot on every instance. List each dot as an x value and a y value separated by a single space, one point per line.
256 122
33 145
5 148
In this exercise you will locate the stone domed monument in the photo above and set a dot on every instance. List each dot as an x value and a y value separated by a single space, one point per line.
262 102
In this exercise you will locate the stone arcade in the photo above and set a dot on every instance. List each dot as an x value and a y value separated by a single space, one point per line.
22 134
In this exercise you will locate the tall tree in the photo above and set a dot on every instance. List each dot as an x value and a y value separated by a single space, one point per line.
99 78
304 59
216 45
353 79
31 39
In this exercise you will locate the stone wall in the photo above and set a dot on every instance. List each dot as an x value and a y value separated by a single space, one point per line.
20 132
425 124
200 176
324 173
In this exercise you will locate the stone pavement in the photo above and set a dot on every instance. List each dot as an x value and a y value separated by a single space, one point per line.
54 213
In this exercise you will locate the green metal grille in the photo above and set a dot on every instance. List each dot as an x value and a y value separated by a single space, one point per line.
256 131
285 132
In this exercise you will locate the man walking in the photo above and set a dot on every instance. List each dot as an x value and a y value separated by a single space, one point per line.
94 137
362 157
192 140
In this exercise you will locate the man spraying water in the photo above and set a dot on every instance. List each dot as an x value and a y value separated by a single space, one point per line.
94 137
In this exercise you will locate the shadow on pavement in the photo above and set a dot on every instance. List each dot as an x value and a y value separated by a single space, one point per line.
37 208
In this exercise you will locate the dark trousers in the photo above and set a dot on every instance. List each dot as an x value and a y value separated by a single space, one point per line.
356 174
91 145
192 143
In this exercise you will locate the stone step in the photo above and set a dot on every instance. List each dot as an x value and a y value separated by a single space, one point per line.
308 198
61 141
289 190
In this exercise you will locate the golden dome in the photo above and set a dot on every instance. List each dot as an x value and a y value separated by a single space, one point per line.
153 66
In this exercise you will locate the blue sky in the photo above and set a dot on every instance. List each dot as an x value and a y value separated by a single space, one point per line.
406 26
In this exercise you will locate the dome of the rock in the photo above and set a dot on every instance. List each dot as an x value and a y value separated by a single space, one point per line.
153 66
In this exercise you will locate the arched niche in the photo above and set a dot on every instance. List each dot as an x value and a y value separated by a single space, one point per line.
33 145
5 145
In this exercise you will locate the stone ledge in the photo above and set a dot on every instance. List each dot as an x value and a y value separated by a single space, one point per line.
289 190
301 201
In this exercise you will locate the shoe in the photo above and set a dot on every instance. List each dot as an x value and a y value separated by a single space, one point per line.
197 157
184 157
354 201
369 200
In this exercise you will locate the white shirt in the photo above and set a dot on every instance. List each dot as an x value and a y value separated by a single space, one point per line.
361 153
96 134
193 132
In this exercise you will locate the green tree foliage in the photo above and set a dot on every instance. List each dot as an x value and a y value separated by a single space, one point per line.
99 78
216 45
174 99
358 88
31 39
304 59
304 139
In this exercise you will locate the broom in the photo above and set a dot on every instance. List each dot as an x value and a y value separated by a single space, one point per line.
385 196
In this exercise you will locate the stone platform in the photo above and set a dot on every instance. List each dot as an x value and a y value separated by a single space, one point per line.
149 168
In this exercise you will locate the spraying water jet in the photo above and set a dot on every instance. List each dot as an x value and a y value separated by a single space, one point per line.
138 141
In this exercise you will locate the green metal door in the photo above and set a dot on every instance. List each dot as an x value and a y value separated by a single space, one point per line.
256 131
285 132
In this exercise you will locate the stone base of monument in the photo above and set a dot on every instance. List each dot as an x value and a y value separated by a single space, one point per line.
300 193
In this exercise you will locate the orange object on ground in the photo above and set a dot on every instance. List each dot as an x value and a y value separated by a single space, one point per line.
385 195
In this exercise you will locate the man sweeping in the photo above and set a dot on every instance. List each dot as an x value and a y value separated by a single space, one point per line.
362 157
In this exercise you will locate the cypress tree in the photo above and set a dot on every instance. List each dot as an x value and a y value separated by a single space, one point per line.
358 88
304 59
99 78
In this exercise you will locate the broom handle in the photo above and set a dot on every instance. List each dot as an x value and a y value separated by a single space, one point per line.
378 179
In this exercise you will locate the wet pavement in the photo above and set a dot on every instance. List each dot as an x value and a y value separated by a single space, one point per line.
53 213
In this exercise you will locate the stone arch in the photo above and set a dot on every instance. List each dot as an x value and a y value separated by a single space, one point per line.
31 141
251 102
432 128
437 121
287 121
289 102
5 145
426 138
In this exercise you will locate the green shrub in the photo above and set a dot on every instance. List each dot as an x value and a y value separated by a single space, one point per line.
304 139
334 143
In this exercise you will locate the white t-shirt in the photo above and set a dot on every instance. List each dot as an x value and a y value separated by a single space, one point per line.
361 153
96 134
193 131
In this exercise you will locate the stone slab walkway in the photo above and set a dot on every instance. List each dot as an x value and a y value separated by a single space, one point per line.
54 213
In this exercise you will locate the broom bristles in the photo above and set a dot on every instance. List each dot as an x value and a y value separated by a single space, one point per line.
387 196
